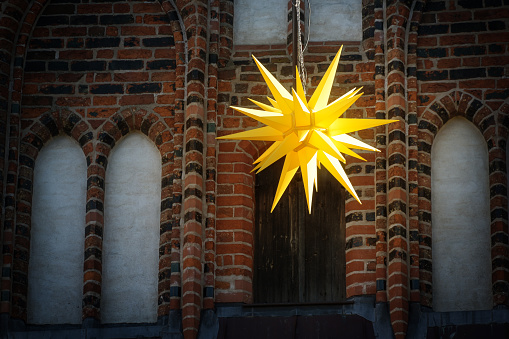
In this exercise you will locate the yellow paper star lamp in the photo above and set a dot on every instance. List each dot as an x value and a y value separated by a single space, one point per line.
308 133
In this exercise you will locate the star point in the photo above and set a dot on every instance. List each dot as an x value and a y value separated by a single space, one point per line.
307 133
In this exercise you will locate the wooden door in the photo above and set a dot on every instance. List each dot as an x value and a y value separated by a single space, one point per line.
299 257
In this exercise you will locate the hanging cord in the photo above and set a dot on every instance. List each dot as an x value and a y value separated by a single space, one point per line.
302 69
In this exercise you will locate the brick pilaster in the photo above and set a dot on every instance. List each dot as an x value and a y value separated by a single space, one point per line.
211 158
396 100
194 171
413 160
380 157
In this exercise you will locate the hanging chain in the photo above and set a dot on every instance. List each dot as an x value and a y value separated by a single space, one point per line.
300 49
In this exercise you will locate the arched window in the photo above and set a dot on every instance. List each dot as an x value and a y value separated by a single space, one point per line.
260 22
55 270
131 232
335 20
460 218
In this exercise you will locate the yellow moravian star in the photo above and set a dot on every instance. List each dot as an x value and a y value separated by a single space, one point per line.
308 133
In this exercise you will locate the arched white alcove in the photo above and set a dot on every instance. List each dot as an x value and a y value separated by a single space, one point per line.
460 219
55 270
131 232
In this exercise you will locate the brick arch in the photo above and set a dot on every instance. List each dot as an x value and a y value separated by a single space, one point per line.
498 172
43 129
157 130
441 110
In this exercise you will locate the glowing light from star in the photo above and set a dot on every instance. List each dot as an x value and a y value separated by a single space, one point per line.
308 133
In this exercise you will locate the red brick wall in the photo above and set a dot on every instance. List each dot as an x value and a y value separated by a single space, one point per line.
96 71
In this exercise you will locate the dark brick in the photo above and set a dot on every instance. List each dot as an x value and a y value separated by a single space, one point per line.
79 66
198 99
107 139
432 75
496 71
498 95
107 89
431 52
194 122
396 65
470 50
35 66
397 231
411 71
58 66
397 159
421 168
125 65
433 29
84 20
353 242
395 254
97 31
59 9
397 183
85 138
470 4
396 112
494 48
131 42
435 6
162 64
351 57
95 181
93 252
496 25
41 55
355 216
83 89
493 3
395 89
75 43
498 213
468 27
54 20
102 42
58 89
467 73
50 124
368 33
381 285
46 43
144 88
193 215
194 145
158 42
119 19
195 74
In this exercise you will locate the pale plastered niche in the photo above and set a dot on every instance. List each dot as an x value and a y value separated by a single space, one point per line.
131 232
332 20
460 219
260 22
55 270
